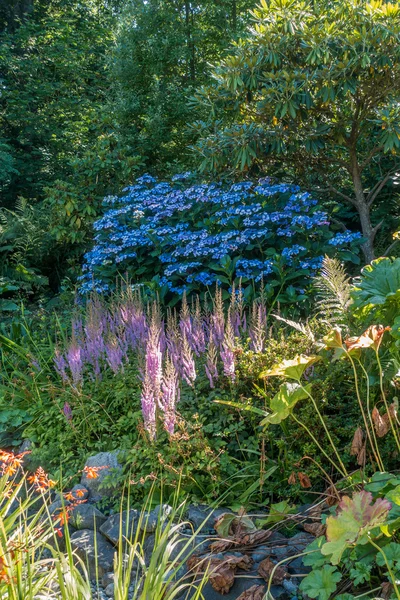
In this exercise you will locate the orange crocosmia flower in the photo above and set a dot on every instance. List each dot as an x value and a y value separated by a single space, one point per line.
40 480
93 472
69 496
80 493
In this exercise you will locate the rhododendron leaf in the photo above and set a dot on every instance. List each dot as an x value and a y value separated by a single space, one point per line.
293 369
356 517
321 583
284 402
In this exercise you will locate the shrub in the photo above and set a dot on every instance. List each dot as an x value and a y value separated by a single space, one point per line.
179 237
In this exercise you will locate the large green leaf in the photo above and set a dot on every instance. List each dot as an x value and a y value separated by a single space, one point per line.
284 402
356 517
321 583
378 284
292 369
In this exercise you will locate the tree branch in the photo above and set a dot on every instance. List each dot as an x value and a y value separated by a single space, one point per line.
390 248
370 156
377 188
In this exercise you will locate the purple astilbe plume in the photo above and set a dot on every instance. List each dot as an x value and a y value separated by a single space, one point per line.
188 365
149 404
198 333
133 318
258 327
74 358
170 394
67 411
227 350
218 319
211 363
114 355
153 356
61 365
173 340
185 321
94 329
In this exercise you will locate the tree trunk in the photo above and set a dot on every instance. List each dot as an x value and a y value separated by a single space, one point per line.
363 210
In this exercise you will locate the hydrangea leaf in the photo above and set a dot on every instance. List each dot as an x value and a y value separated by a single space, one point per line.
321 583
284 402
293 369
356 517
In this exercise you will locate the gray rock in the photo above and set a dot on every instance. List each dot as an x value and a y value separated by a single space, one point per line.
107 579
300 541
296 566
83 542
109 591
107 462
260 553
79 492
277 538
111 529
87 516
159 514
290 586
203 517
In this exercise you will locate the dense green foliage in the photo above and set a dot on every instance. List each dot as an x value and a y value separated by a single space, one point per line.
312 91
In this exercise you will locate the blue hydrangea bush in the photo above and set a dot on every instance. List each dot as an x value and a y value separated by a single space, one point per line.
181 236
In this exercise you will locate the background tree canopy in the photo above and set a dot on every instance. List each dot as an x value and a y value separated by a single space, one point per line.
312 92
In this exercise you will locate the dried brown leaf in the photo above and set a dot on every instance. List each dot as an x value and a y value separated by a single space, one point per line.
245 539
304 480
256 592
381 422
332 496
358 442
222 578
316 529
292 479
266 568
386 590
361 456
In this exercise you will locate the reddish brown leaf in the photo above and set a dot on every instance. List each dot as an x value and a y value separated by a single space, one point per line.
386 590
266 568
256 592
372 337
332 496
222 578
316 529
361 456
292 479
381 422
246 539
304 480
358 442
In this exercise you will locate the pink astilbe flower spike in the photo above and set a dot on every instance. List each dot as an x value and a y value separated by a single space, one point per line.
170 394
211 363
227 353
188 365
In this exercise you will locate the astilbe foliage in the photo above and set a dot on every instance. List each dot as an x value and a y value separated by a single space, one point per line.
187 237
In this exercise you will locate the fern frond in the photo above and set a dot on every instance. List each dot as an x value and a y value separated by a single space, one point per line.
333 287
305 329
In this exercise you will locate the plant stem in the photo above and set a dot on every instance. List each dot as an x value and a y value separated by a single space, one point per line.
378 360
392 577
343 468
373 448
343 473
380 462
